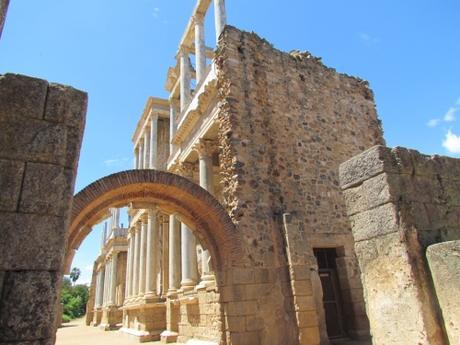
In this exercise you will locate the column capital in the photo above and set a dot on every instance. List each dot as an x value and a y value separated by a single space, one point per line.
205 147
153 211
186 169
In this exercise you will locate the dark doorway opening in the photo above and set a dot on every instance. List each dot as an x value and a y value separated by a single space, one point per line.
332 301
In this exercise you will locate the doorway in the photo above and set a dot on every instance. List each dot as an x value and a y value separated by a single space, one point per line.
332 301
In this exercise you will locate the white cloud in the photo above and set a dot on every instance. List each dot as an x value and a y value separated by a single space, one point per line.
433 122
450 115
369 39
156 12
451 142
89 267
116 162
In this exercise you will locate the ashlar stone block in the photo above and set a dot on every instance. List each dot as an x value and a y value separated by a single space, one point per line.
31 242
29 299
11 174
22 97
47 189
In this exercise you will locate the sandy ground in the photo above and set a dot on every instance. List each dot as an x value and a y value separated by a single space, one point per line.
77 333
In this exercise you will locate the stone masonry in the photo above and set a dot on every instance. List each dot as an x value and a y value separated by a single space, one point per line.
41 129
399 203
3 9
444 261
286 123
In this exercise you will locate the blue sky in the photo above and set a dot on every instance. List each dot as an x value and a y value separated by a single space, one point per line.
119 51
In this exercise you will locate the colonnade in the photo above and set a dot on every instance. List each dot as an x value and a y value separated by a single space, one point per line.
143 257
185 76
106 282
146 148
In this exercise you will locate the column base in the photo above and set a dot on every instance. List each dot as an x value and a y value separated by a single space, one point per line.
151 298
207 281
167 337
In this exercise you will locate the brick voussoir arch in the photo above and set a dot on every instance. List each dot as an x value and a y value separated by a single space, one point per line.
173 194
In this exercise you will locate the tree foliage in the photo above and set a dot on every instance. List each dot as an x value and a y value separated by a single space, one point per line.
74 299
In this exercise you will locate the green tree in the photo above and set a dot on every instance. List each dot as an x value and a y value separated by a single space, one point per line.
75 274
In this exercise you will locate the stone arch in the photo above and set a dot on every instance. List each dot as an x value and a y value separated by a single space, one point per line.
173 194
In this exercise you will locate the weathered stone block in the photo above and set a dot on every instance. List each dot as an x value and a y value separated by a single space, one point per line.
444 261
367 164
39 141
375 222
11 174
66 105
47 189
31 242
309 336
29 299
22 97
241 308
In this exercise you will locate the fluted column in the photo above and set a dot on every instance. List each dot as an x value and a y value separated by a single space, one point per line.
142 256
113 279
153 157
205 149
220 17
185 92
152 254
174 254
136 263
200 48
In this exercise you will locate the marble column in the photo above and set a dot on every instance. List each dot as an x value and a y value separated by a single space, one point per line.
146 149
128 268
153 157
220 17
136 262
174 254
185 91
173 110
200 48
152 254
142 255
205 149
113 279
106 283
98 288
189 259
141 154
132 242
136 158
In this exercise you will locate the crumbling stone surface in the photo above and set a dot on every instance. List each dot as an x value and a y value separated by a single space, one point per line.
444 261
400 202
286 123
3 9
38 159
27 305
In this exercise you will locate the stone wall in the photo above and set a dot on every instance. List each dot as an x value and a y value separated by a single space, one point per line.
286 123
399 202
444 262
3 10
41 131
